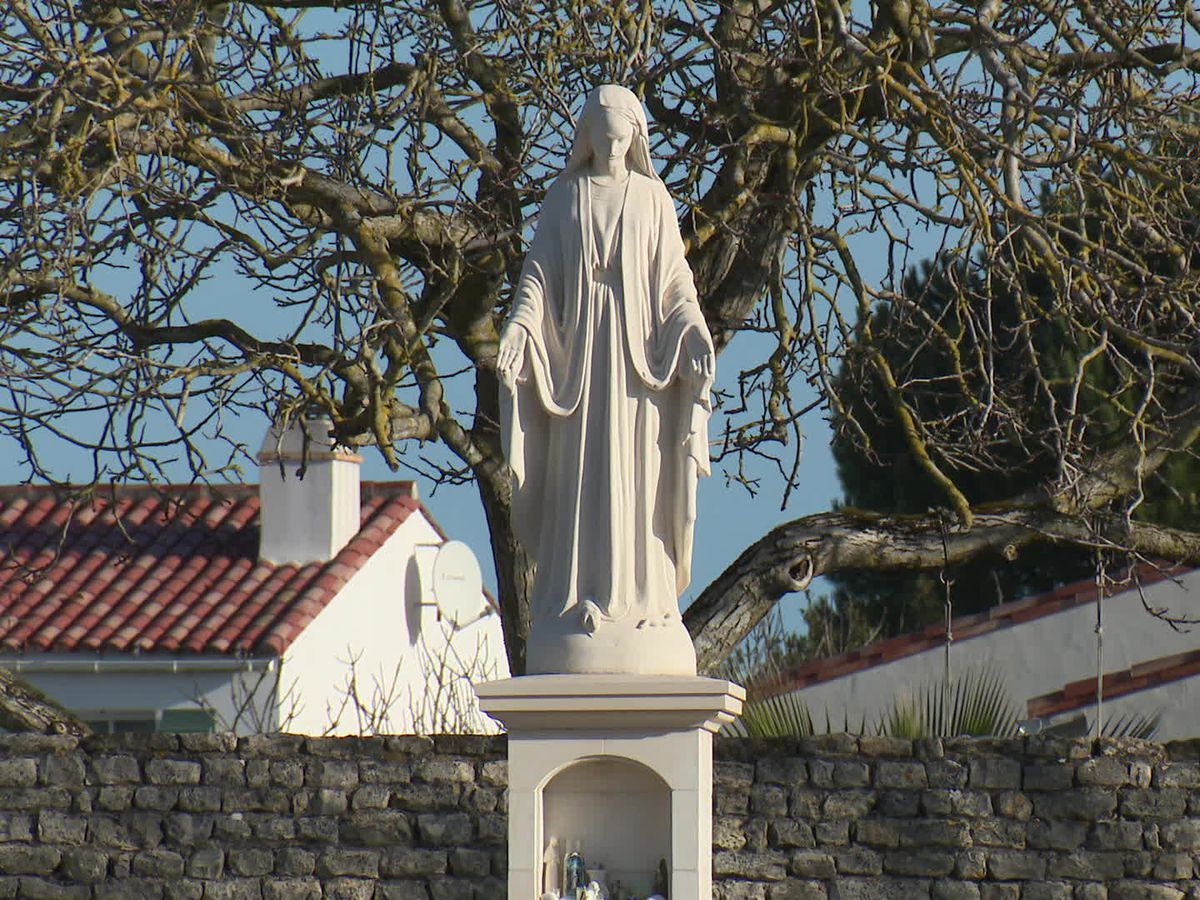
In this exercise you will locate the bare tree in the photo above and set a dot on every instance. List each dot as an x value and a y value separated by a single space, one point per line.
442 701
366 172
445 701
258 702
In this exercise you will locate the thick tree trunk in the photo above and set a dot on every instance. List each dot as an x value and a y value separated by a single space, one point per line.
514 568
24 708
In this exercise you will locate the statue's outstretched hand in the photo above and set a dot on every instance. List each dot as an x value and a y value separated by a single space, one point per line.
700 356
511 356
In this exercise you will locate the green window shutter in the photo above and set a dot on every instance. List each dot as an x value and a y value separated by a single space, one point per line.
178 721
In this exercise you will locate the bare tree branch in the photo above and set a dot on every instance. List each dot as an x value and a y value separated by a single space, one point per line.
366 213
790 556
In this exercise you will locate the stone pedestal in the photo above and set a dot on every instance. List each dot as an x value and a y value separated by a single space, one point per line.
620 763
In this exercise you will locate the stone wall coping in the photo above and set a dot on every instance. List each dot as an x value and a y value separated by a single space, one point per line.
839 744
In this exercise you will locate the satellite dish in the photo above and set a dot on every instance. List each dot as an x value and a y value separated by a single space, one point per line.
442 581
457 582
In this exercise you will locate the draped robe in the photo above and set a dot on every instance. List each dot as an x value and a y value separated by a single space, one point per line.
605 429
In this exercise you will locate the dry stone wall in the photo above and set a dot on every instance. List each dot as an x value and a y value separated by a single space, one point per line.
877 818
211 817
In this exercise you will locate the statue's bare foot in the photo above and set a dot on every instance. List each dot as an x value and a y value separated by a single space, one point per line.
591 616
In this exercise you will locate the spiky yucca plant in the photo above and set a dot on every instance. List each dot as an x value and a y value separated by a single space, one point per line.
977 705
784 715
1133 725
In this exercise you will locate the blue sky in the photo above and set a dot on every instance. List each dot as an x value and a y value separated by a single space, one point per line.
729 517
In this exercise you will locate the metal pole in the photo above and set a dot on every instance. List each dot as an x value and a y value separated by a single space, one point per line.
1100 580
948 583
949 641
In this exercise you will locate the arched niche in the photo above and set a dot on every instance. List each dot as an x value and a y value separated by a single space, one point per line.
620 812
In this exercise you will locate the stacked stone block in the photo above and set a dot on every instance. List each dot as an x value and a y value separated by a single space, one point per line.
212 817
875 818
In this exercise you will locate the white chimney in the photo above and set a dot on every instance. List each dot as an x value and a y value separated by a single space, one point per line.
308 492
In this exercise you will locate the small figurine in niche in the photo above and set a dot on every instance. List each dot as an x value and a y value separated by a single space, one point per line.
599 874
551 867
574 874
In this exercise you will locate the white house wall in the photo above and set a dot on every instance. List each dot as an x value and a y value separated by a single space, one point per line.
1177 703
1038 657
368 634
240 700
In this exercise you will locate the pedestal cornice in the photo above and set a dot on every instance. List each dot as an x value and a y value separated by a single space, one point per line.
566 703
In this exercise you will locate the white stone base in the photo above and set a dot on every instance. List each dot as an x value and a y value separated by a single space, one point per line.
622 764
561 645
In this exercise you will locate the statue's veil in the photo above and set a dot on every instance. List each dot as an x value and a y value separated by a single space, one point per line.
613 96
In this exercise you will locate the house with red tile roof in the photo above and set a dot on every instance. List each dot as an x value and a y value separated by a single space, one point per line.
310 603
1048 648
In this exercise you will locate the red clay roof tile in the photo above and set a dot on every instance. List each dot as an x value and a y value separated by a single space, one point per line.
165 569
1143 675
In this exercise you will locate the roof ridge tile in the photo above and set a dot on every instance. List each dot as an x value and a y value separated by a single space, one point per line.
385 519
1117 683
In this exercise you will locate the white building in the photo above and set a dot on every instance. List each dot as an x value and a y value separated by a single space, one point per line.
311 603
1046 649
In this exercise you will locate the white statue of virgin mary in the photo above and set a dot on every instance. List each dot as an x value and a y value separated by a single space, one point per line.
605 365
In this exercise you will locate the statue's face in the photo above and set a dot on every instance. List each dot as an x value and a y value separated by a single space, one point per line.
610 133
